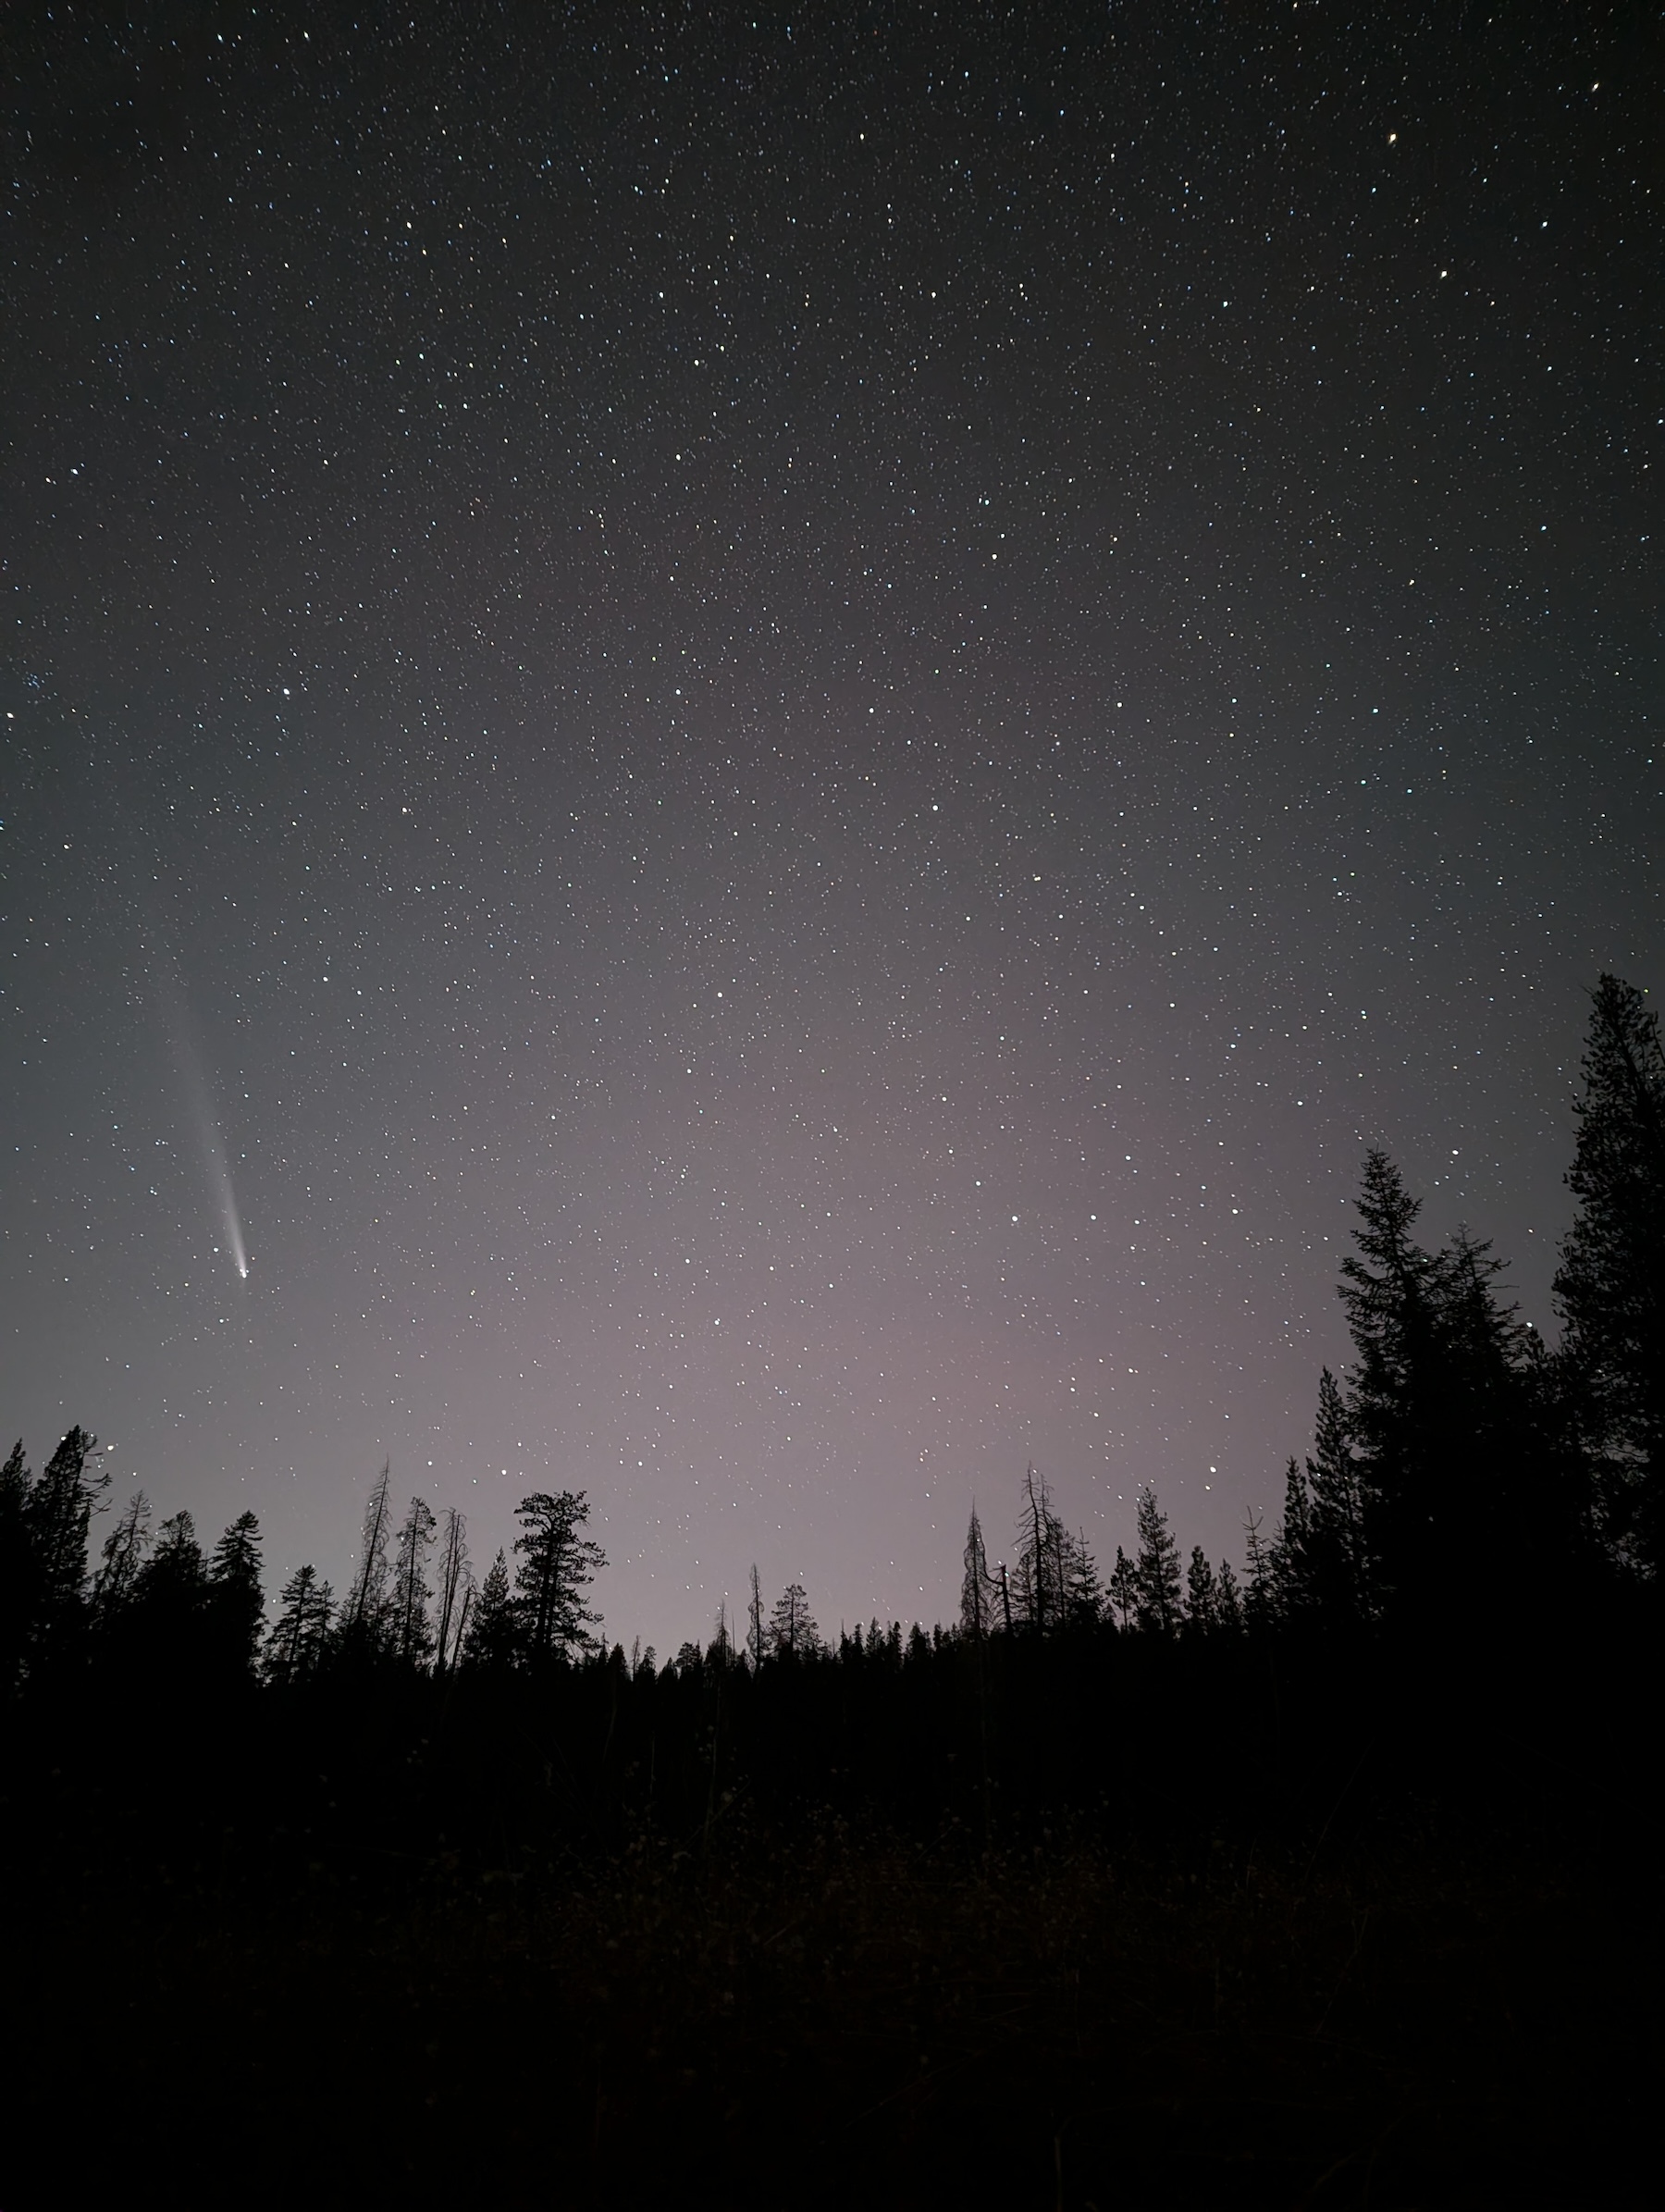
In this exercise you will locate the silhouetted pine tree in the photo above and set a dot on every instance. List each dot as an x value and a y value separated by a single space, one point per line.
175 1571
1336 1575
493 1641
978 1615
1124 1590
1084 1589
300 1636
17 1575
1291 1563
411 1637
1439 1412
792 1630
1400 1410
1158 1603
58 1511
558 1563
1229 1602
166 1618
1510 1487
1260 1596
756 1639
1610 1284
361 1630
236 1602
1202 1593
125 1550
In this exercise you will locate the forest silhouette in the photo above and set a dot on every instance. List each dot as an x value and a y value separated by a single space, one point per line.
1314 1877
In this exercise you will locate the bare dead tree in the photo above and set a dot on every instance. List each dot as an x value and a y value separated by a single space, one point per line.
455 1584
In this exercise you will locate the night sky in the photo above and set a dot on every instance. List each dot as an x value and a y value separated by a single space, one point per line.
755 743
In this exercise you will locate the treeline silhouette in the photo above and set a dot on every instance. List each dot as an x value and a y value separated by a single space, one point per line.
971 1911
1465 1483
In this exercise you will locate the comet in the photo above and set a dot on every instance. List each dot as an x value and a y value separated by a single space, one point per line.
192 1066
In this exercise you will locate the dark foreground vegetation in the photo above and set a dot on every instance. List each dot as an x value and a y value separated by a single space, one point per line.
1265 1931
1332 1885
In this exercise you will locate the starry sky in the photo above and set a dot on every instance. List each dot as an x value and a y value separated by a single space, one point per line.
743 747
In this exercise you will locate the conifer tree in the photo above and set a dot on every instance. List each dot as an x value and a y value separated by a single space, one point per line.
236 1601
558 1563
1611 1285
1123 1588
1260 1598
300 1636
1158 1603
167 1615
1335 1534
493 1641
14 1483
361 1630
792 1630
1439 1413
1084 1589
757 1641
411 1637
1200 1593
17 1577
977 1586
1229 1602
58 1511
124 1553
173 1576
1290 1563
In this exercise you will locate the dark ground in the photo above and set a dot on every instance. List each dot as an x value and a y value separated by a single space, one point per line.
809 2014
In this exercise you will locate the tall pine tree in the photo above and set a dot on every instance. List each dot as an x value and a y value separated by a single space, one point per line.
411 1637
57 1513
362 1631
792 1630
1336 1576
978 1596
1611 1285
558 1563
493 1642
1202 1593
1158 1605
236 1601
299 1641
16 1567
1448 1455
125 1550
